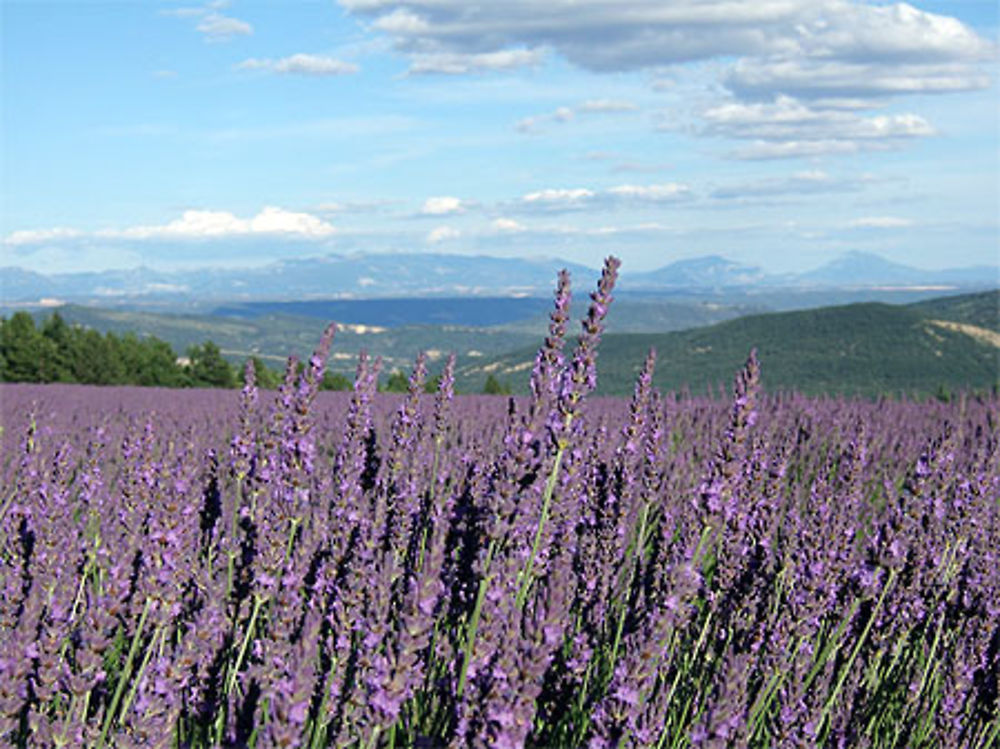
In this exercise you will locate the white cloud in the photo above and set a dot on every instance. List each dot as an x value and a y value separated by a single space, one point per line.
214 25
529 125
841 55
273 220
809 182
880 222
563 114
196 224
331 207
898 31
457 63
353 206
789 119
40 236
302 64
642 229
851 81
606 106
634 34
555 200
218 27
560 198
654 193
508 225
787 127
535 123
443 205
793 149
401 21
442 234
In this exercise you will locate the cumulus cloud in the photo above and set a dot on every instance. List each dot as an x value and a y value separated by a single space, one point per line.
787 127
301 64
443 205
635 34
442 234
597 34
786 118
850 81
197 224
840 55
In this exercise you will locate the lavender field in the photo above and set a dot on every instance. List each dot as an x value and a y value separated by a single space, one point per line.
304 569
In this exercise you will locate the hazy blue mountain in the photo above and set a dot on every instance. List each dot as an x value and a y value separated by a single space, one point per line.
20 284
332 276
868 269
711 271
374 276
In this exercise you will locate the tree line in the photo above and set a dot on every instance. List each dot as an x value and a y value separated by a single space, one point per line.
55 351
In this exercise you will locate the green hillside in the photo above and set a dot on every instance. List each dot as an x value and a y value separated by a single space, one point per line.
947 343
982 310
274 337
864 349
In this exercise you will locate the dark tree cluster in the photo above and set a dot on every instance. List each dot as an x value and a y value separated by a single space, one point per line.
55 351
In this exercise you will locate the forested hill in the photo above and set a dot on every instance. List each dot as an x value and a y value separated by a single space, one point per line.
865 349
981 310
58 352
929 348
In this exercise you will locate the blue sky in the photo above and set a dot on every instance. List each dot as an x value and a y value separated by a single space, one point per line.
781 133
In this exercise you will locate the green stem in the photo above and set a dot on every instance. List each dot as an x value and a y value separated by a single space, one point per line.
233 527
992 736
142 669
231 680
857 649
832 646
291 538
123 677
79 591
60 739
619 628
474 622
930 658
550 486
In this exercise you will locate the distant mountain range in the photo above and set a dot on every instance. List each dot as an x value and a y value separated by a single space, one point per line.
428 275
